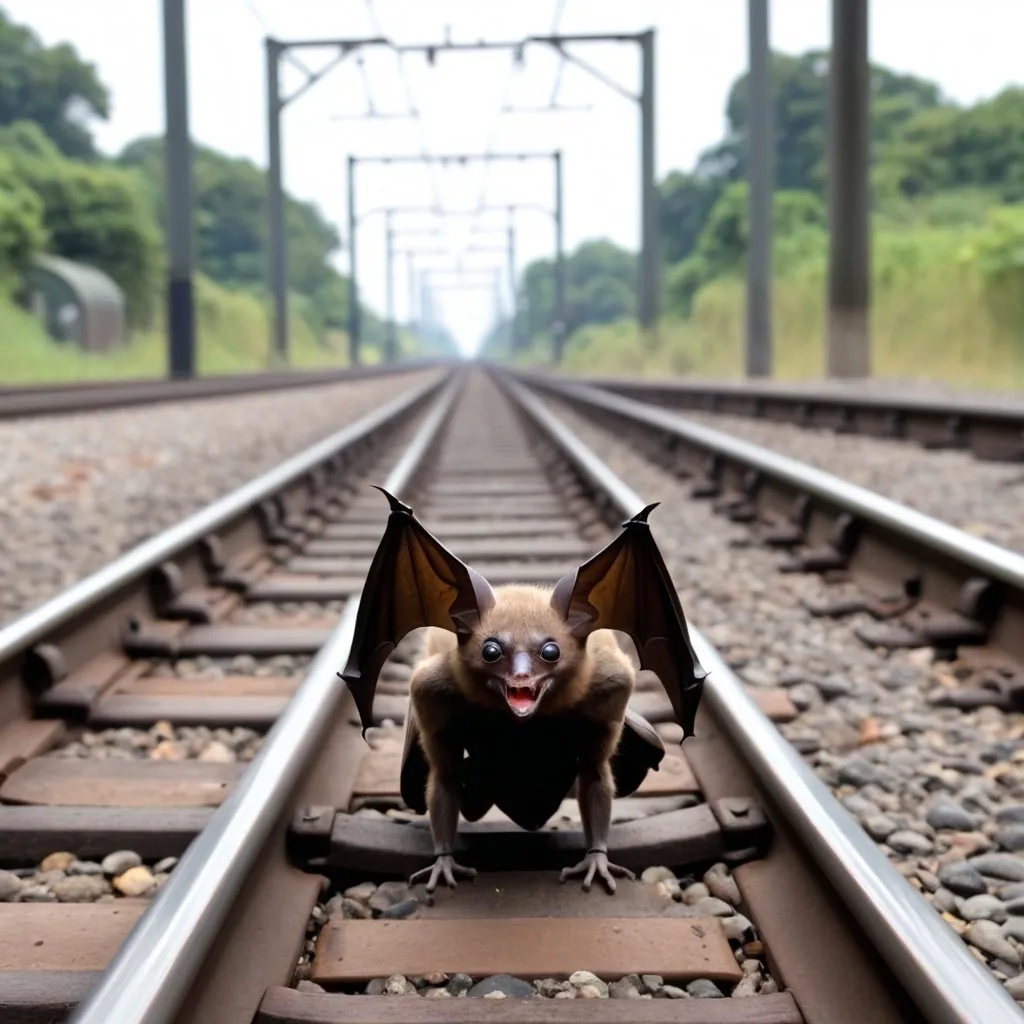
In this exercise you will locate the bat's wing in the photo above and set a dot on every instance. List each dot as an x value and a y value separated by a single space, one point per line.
627 587
413 581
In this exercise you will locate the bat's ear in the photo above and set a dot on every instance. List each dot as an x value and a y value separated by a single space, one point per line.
473 602
577 613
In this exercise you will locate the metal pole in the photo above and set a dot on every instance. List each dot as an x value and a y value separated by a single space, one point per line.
277 240
649 284
181 326
760 153
560 326
849 282
391 344
353 284
512 285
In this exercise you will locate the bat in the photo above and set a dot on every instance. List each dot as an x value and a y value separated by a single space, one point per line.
522 690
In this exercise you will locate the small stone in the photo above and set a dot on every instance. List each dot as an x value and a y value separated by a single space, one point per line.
504 986
673 992
591 992
57 862
135 881
833 687
704 989
999 865
987 936
10 887
436 978
1015 986
1010 812
737 927
695 892
85 867
944 901
711 906
625 988
387 894
961 878
928 880
50 877
748 985
399 985
437 993
352 910
907 841
879 827
37 894
657 874
668 890
550 988
1013 891
651 983
460 984
309 986
361 892
375 986
1011 836
120 862
578 979
80 888
1014 927
165 866
721 884
949 815
402 909
983 908
856 771
217 753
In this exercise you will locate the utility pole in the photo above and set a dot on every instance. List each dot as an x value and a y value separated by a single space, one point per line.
181 324
513 285
353 285
391 348
649 285
278 241
561 325
760 161
849 255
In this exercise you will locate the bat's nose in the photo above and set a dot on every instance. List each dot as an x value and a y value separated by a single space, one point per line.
522 665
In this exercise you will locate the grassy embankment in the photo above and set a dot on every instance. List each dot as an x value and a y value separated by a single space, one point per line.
232 328
947 305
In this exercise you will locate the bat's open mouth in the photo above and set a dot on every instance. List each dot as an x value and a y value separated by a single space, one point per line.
523 698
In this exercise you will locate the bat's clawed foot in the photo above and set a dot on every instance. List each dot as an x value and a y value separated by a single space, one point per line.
596 862
444 867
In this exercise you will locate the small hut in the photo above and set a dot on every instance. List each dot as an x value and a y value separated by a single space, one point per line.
77 303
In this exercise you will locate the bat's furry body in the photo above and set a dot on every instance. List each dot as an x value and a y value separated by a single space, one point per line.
522 690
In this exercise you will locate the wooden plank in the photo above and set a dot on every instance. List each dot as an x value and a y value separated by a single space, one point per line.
497 546
27 834
379 775
197 686
552 947
227 641
81 782
64 936
289 1006
774 703
142 711
496 573
22 740
675 839
43 997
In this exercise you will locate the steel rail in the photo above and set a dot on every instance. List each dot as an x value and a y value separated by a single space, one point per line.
946 982
989 559
997 408
40 622
149 978
59 399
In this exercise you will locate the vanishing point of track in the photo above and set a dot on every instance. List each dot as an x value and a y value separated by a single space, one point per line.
273 572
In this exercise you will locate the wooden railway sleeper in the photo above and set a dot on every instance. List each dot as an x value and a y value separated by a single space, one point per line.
220 572
171 599
835 555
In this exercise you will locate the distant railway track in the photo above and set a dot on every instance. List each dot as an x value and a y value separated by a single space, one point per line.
56 399
991 430
208 627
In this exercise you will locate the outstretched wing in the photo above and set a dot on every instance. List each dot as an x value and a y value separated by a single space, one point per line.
413 581
626 587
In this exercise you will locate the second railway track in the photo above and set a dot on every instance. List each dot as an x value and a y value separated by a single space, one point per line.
289 902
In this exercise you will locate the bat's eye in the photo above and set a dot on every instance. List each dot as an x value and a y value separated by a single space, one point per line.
550 652
491 652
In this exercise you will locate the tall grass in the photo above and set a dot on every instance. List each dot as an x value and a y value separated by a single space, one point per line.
232 336
934 316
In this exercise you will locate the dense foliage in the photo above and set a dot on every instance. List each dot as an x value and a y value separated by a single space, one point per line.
942 178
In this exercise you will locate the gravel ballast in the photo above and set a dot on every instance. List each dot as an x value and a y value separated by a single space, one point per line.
940 790
982 498
77 491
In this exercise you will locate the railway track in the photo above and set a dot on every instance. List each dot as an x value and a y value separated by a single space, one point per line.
990 429
227 634
57 399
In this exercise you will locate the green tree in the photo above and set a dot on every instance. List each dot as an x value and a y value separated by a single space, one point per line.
51 86
93 213
22 231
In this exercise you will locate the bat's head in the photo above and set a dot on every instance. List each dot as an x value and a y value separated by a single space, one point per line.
522 651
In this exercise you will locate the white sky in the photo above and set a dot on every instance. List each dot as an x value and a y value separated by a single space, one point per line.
970 47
